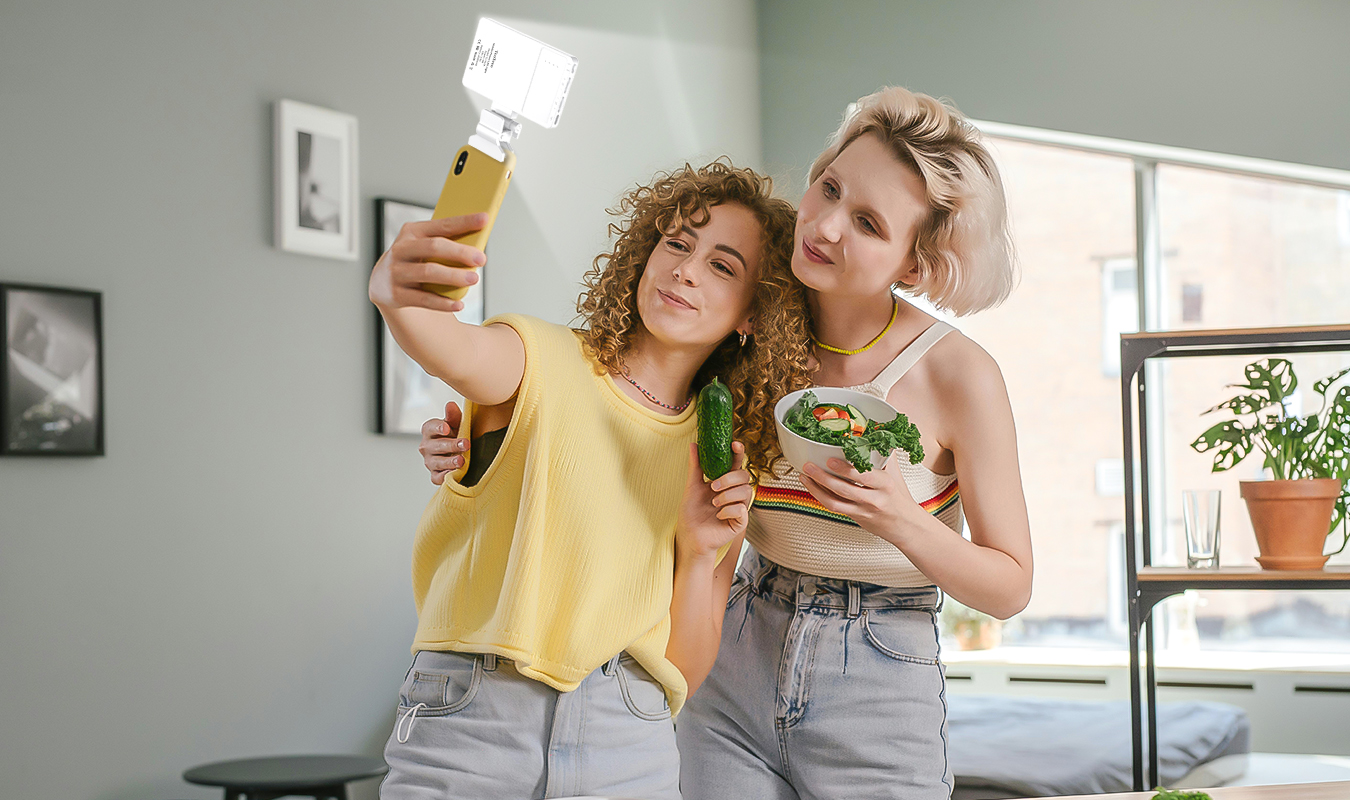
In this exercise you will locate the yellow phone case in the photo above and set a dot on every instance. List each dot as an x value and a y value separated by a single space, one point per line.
477 182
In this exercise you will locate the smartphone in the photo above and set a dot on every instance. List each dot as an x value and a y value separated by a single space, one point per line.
477 182
521 76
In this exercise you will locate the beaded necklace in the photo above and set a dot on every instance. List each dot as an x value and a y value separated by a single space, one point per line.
651 397
895 307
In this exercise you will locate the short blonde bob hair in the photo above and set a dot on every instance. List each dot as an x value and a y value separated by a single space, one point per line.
964 248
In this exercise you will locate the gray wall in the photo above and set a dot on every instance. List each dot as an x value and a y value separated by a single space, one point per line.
1250 77
232 579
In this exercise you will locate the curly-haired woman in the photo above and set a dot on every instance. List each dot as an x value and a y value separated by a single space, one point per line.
568 582
828 681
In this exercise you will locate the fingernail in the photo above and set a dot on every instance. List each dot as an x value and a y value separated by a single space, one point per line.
717 486
463 444
473 276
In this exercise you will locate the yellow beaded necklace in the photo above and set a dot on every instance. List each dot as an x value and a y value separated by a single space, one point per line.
895 307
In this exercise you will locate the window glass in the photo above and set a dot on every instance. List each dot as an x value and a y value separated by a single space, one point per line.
1056 341
1245 252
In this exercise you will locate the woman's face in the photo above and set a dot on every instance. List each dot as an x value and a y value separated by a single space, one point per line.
699 283
857 222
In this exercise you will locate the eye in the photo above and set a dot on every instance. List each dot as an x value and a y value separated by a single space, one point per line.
676 244
723 267
830 189
867 225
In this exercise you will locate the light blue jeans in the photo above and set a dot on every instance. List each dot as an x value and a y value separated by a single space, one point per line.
824 689
471 726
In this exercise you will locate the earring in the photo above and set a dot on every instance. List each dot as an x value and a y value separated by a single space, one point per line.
742 340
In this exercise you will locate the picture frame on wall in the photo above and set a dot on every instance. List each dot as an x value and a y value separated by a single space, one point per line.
406 396
315 180
51 387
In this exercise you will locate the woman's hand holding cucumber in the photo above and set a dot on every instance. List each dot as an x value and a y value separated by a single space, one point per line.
714 513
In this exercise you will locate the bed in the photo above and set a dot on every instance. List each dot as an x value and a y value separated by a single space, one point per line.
1005 747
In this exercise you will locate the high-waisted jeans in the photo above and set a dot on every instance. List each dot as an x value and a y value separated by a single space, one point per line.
472 727
823 688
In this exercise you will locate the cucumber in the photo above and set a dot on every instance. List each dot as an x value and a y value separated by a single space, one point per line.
835 424
858 417
714 429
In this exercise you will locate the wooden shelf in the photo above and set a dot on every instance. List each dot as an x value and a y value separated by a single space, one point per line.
1147 586
1205 333
1253 575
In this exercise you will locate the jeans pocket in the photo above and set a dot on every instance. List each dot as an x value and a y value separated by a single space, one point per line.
441 683
643 694
902 634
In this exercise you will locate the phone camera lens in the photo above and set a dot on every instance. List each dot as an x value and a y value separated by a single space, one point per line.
459 163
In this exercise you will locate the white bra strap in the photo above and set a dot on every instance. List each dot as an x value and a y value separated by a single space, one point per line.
910 356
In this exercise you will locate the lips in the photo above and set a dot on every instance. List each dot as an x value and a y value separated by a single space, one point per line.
813 254
675 300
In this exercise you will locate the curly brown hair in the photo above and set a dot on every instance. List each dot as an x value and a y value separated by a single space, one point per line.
776 360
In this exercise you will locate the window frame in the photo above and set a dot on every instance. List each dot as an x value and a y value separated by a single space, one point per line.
1151 278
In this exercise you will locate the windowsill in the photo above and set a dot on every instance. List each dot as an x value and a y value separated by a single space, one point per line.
1225 660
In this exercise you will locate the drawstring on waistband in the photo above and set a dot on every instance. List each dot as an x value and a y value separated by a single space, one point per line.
410 717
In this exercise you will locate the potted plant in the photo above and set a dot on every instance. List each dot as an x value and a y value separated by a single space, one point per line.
973 630
1309 457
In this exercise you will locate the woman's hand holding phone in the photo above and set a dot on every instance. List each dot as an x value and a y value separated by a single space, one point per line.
426 253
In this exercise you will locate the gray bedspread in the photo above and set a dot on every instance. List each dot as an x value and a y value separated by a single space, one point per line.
1040 747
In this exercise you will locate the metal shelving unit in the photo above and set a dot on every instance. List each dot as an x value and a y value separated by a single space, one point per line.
1148 585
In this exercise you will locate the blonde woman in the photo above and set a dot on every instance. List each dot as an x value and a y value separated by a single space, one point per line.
828 681
569 591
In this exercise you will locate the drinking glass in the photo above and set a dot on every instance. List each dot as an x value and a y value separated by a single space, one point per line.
1200 510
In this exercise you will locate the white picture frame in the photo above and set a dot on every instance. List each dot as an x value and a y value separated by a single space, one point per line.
406 395
315 181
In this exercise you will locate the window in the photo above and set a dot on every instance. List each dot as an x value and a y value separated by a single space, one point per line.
1219 249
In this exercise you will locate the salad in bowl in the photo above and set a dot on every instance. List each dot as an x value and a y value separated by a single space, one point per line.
826 422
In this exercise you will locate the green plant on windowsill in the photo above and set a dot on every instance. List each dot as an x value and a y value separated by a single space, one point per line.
1296 448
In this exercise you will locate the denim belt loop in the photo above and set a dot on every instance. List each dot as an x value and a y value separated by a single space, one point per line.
854 599
611 665
761 576
489 662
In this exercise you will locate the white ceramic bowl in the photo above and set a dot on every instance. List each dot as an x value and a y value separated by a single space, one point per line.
798 449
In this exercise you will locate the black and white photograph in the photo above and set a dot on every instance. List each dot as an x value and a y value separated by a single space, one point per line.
315 180
51 390
406 395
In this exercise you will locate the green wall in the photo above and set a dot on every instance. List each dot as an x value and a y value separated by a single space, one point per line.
1250 77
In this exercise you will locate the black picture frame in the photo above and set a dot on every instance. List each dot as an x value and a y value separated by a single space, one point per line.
51 384
405 395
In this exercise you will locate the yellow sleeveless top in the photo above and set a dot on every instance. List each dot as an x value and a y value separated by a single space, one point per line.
563 554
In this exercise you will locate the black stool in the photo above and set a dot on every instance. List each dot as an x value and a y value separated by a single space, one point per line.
320 777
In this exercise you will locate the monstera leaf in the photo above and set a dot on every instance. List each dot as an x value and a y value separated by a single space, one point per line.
1230 441
1290 446
1321 386
1242 404
1335 454
1272 376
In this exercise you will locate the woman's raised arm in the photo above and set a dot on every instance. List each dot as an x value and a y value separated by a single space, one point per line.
483 363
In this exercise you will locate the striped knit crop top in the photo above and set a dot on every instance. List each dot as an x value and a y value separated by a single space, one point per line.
788 526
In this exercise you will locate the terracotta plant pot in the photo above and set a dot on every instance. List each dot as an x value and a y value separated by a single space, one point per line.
1291 520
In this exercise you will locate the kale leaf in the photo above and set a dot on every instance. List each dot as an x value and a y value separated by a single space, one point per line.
883 437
